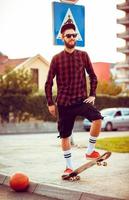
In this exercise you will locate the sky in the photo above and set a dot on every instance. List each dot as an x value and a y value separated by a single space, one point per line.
26 29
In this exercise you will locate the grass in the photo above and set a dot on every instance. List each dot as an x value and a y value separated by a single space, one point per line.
114 144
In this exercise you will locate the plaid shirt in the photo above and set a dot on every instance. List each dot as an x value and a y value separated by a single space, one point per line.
69 69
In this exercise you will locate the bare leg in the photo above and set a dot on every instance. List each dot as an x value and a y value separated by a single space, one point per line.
95 128
65 144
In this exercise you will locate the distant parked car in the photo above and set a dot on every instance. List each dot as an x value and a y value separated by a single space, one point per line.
114 118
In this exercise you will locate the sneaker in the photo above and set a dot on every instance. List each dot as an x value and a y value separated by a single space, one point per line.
67 171
93 155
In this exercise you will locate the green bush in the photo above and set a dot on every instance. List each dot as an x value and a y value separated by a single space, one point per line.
109 102
12 103
36 106
15 88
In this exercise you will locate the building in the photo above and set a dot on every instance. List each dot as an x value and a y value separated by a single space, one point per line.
37 65
122 69
102 70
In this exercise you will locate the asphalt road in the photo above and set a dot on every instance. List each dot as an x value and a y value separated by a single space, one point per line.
40 157
7 194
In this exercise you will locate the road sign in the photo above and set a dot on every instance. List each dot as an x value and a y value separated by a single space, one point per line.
69 1
61 13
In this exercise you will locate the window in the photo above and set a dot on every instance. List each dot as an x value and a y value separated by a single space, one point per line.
126 112
35 76
118 113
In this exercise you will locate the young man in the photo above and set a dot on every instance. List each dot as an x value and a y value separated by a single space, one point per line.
69 67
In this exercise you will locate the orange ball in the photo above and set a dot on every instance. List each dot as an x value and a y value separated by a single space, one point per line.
19 182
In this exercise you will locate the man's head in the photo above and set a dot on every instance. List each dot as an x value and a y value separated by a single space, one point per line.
68 25
68 34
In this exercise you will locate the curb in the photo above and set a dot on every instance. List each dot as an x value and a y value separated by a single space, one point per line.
57 192
35 127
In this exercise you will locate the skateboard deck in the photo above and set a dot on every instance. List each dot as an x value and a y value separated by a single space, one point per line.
98 161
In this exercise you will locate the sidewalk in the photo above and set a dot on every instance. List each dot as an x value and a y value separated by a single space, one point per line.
8 194
40 157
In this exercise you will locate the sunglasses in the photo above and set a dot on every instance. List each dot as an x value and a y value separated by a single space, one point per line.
74 35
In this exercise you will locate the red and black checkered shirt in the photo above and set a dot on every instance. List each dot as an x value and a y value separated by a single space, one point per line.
70 71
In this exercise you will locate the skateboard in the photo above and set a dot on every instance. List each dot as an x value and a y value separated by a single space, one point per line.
100 161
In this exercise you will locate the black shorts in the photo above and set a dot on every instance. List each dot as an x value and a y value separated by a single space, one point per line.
68 114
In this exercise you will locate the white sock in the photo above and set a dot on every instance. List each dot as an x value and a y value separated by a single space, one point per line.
68 156
91 145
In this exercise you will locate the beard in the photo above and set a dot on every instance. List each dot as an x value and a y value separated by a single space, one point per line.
70 46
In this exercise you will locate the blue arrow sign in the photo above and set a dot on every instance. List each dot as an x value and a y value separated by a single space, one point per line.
61 11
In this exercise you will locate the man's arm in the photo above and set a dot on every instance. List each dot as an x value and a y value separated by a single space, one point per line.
49 83
92 76
93 80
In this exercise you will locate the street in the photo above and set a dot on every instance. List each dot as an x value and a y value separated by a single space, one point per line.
40 157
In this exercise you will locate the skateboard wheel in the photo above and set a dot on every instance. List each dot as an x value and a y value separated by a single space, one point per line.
71 178
104 163
74 178
99 163
77 178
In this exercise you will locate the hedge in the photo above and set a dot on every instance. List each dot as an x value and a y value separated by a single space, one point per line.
109 102
36 106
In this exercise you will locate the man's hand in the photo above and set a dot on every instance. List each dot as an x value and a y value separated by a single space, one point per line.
52 110
90 99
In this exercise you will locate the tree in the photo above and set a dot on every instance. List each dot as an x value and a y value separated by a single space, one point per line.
15 87
107 87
